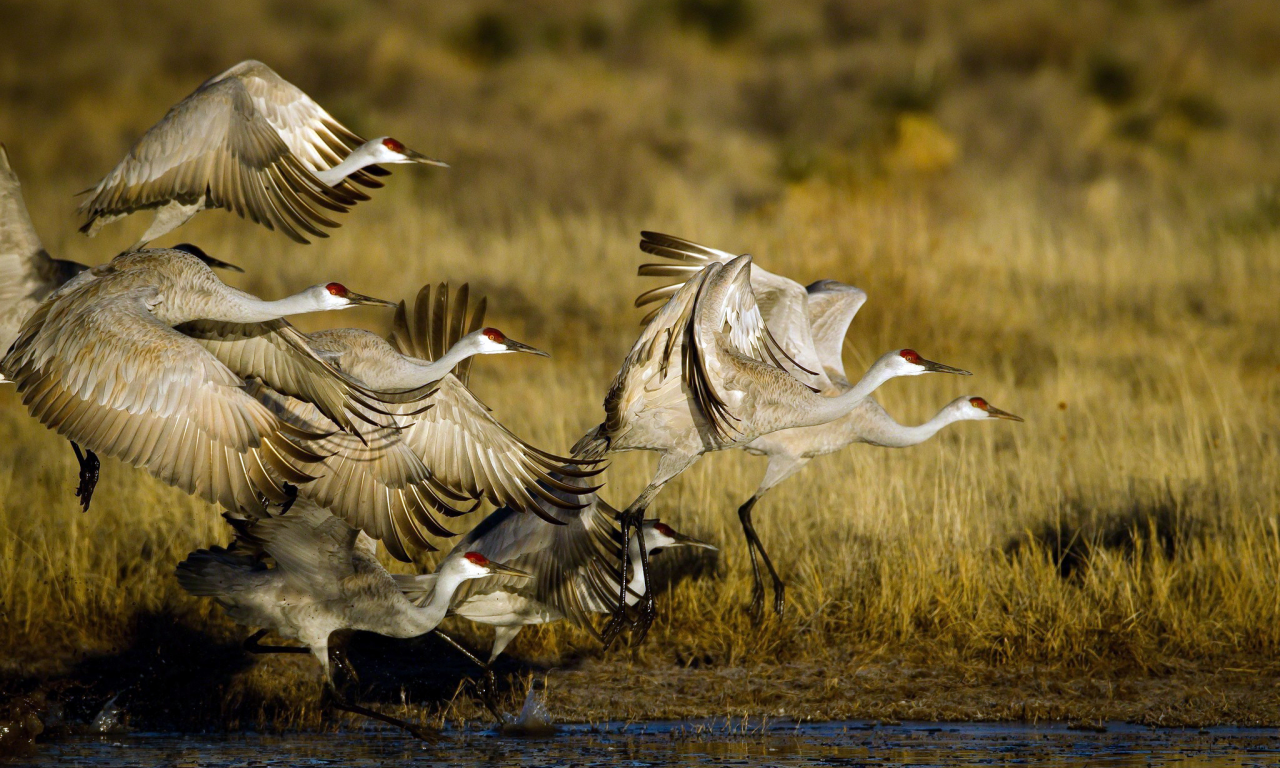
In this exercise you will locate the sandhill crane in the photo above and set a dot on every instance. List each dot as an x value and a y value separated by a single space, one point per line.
813 321
321 582
705 375
28 273
573 569
109 362
249 141
390 480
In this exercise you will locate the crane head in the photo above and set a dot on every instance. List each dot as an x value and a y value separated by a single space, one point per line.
387 150
491 341
474 565
977 408
908 362
658 535
329 296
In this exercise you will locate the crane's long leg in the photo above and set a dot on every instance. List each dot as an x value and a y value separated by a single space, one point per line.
337 658
251 645
670 465
487 690
756 607
779 589
89 466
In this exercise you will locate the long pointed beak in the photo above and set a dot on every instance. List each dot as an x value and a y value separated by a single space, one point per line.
418 157
360 298
498 569
514 346
689 541
999 414
932 367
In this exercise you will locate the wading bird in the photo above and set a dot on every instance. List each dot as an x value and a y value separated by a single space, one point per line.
705 375
813 322
389 481
109 362
249 141
321 582
28 274
573 570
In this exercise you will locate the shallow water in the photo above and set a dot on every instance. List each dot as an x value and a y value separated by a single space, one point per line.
708 743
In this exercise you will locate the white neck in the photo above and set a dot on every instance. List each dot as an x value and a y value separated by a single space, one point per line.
889 433
429 616
417 374
247 308
361 157
827 409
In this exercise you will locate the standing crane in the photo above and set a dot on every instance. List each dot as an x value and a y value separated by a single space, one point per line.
813 322
28 273
573 570
706 375
249 141
322 582
391 480
108 361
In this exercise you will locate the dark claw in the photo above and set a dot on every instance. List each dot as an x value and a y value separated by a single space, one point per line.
779 599
89 467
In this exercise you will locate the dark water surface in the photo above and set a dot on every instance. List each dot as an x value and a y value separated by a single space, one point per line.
706 743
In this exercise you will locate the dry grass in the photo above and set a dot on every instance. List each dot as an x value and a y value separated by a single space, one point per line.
1093 231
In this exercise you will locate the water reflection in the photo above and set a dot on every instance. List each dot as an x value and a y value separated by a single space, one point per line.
695 743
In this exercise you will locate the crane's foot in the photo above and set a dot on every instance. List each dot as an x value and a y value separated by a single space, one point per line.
89 467
640 628
755 609
779 598
419 731
487 692
251 645
617 622
292 492
342 664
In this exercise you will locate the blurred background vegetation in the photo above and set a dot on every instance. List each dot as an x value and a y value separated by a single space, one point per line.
1077 200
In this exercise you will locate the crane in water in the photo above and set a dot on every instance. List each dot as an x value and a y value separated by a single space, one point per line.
319 580
813 322
573 570
28 273
707 375
108 360
249 141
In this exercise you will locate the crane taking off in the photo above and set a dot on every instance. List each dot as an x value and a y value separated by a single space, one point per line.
706 375
249 141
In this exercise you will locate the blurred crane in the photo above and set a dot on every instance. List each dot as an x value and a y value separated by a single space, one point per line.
249 141
573 570
322 582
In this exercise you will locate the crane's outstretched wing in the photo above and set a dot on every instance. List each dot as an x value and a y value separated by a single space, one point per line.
97 367
216 143
832 306
394 481
284 359
574 566
437 325
313 135
782 301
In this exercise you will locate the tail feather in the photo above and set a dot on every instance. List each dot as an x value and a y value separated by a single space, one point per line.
593 445
213 572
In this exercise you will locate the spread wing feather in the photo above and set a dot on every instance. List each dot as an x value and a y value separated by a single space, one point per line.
97 367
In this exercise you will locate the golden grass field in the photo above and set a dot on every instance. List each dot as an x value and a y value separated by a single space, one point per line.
1082 207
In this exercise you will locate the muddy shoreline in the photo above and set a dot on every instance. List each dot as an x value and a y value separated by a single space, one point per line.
193 684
